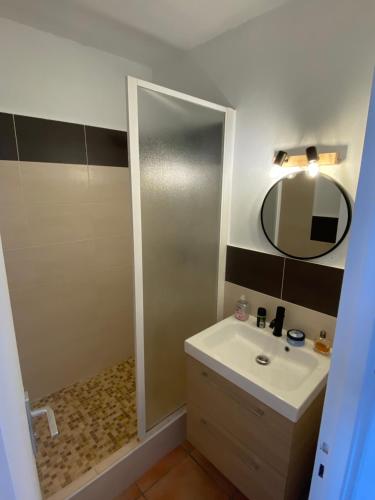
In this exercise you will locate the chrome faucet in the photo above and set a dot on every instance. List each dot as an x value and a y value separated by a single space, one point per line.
277 323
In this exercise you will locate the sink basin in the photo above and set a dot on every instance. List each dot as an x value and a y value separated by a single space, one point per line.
289 380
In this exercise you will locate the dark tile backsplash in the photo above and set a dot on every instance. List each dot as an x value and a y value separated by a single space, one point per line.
50 141
106 147
304 283
256 270
312 285
8 147
41 140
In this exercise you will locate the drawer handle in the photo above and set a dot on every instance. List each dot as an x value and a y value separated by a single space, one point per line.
257 411
204 374
245 459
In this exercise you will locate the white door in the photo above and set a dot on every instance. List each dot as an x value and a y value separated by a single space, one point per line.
18 474
180 157
349 405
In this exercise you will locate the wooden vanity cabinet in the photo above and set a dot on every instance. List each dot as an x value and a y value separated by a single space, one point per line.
267 456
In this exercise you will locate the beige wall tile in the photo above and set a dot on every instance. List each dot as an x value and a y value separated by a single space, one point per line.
115 310
40 315
69 266
108 183
311 322
113 279
109 218
66 333
114 290
54 182
113 251
14 227
51 223
21 270
10 182
33 267
70 328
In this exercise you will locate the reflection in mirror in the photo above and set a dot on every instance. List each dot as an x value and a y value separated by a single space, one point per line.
306 217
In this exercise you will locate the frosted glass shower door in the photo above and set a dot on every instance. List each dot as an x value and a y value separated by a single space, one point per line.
177 183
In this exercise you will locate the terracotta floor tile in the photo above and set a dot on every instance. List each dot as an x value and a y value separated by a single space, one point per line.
214 473
161 468
186 481
239 496
187 446
131 493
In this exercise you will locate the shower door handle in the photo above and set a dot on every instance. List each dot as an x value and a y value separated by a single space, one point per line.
45 410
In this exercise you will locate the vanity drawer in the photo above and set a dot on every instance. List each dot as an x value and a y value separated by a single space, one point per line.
254 477
258 427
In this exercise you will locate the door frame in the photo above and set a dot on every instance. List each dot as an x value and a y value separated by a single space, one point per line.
350 393
14 430
133 146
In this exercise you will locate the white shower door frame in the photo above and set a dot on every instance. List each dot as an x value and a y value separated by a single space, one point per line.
133 143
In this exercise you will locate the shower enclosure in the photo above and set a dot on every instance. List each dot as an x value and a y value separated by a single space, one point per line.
71 211
180 157
66 233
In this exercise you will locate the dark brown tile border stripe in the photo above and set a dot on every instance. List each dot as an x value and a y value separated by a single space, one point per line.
106 147
312 285
8 146
50 141
309 285
43 140
259 271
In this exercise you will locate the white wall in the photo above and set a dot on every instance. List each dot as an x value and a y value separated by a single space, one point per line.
80 21
185 74
51 77
298 75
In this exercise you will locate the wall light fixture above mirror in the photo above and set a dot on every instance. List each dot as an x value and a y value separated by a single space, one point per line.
306 217
311 161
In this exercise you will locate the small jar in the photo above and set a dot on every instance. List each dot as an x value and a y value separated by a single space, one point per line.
242 309
261 317
295 337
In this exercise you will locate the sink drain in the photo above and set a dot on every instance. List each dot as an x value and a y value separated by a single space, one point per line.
263 360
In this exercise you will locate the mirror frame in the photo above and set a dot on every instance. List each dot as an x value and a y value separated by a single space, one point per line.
348 205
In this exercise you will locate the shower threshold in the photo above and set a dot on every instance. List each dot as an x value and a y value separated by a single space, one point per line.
116 473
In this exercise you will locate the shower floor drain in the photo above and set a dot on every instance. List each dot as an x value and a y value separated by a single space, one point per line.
263 360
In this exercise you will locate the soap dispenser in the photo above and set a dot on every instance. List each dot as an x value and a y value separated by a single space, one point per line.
241 311
322 344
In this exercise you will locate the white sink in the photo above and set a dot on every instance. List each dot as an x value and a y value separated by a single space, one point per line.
288 384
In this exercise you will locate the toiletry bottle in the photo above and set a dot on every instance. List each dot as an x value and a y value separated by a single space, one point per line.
261 317
242 309
322 344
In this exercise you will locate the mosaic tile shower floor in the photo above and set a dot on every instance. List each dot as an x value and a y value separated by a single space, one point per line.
95 418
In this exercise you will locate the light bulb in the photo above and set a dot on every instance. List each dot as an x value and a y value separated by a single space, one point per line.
313 169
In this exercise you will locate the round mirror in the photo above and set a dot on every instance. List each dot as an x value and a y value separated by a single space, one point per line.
306 217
